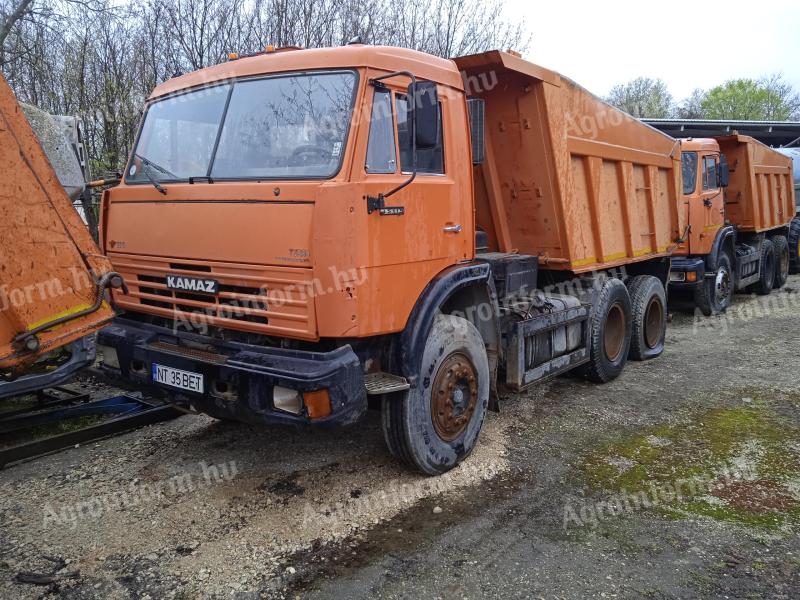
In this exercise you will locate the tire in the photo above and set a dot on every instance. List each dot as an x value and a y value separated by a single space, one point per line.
648 317
794 245
766 269
781 261
434 434
715 294
610 338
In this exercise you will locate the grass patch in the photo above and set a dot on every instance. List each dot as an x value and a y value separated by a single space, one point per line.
731 464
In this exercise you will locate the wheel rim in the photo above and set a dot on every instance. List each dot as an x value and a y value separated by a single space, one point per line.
653 321
614 333
454 396
722 285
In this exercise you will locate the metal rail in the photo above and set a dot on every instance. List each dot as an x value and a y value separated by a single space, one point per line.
132 413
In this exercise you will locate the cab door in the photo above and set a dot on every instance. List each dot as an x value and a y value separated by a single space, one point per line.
708 211
427 225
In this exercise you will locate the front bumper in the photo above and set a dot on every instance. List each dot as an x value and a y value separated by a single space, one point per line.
682 266
247 373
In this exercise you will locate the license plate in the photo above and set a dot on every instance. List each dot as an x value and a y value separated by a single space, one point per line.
183 380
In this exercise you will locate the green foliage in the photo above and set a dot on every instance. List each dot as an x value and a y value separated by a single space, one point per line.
748 99
769 98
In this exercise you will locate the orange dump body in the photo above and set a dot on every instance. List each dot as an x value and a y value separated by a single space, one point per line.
48 260
760 195
568 177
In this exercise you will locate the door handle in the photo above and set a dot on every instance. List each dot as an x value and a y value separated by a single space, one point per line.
452 229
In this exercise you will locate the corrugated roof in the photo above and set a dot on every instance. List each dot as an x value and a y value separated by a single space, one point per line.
772 133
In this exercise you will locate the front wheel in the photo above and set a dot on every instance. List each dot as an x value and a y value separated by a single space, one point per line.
435 424
714 294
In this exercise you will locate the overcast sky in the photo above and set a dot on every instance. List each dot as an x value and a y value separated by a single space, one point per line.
688 44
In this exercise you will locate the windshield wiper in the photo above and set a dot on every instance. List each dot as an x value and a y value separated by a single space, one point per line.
148 163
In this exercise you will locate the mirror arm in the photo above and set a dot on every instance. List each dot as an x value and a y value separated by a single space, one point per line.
377 204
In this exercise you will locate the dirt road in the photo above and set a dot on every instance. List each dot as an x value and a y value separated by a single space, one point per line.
680 479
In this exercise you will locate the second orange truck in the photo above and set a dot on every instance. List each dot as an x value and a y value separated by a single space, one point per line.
739 196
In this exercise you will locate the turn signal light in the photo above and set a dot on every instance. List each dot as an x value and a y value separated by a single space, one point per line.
269 49
691 276
232 56
318 403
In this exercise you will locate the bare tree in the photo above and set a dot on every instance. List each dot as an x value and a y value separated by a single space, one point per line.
100 60
692 107
784 101
642 97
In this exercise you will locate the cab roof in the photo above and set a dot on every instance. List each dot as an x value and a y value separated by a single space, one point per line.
699 145
383 58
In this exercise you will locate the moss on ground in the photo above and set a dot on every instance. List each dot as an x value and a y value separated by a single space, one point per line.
737 464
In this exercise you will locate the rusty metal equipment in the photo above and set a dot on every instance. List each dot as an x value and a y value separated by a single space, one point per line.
54 279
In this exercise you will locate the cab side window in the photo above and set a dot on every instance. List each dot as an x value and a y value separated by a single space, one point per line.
710 173
689 171
429 160
381 150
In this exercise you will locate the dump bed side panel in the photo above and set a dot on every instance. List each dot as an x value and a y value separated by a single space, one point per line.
43 274
760 196
568 177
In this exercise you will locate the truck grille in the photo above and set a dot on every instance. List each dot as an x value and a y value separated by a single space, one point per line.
267 300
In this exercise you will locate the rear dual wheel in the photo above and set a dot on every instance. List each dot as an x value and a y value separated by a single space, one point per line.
767 269
648 317
610 338
794 245
782 261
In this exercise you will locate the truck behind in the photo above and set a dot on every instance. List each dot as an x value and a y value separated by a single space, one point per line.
739 196
794 226
304 233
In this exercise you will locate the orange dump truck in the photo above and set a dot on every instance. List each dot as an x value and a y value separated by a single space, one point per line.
303 231
52 275
740 202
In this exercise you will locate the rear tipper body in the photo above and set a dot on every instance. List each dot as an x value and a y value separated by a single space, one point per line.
416 237
52 271
740 200
569 178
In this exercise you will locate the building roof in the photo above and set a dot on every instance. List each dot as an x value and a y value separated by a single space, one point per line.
772 133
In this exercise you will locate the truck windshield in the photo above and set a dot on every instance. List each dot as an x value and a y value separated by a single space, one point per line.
283 127
689 171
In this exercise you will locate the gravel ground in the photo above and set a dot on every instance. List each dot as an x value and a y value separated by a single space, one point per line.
197 508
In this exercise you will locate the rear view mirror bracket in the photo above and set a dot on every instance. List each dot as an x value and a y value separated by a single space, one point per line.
416 92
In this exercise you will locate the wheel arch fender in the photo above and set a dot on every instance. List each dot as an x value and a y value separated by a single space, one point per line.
725 240
463 290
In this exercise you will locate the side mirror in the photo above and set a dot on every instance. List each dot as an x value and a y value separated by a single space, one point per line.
426 112
723 174
477 120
